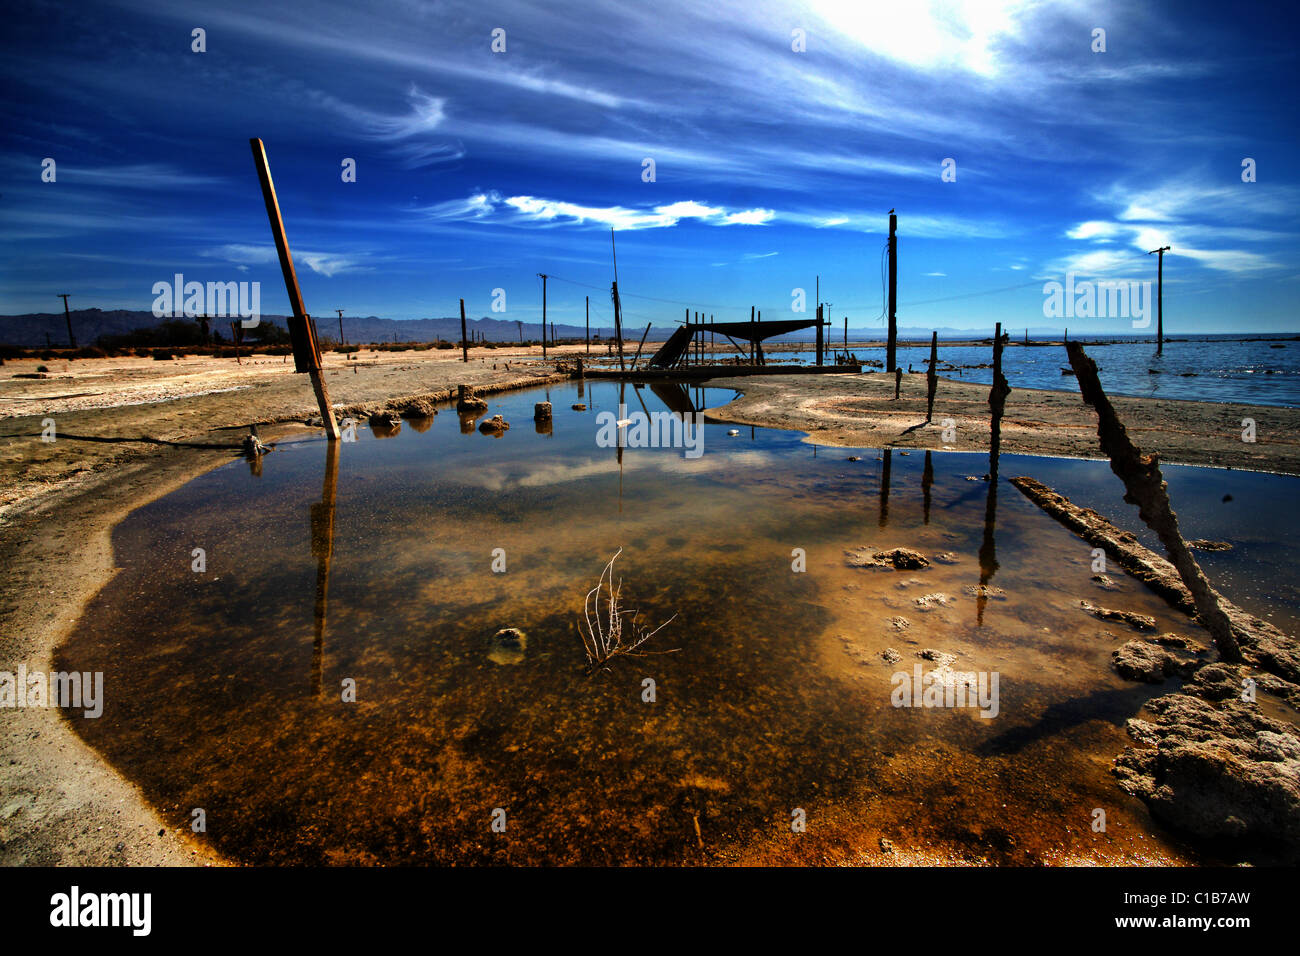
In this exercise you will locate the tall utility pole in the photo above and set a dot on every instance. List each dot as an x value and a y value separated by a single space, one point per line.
892 345
1160 298
342 340
544 278
68 315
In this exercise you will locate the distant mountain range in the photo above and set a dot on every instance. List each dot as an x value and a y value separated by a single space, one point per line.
31 330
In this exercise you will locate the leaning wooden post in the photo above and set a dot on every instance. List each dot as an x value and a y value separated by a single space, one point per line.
306 349
638 348
464 346
1145 487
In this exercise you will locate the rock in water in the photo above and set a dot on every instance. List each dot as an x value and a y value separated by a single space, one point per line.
542 412
508 646
1217 770
496 426
1141 622
468 401
253 446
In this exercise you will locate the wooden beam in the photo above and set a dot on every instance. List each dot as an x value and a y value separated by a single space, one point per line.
299 325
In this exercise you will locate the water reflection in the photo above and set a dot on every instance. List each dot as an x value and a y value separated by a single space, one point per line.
322 549
777 698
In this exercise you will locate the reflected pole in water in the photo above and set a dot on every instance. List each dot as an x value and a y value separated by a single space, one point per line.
622 388
884 487
997 404
927 479
322 549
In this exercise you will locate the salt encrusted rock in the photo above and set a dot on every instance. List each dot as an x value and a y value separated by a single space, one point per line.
384 418
416 408
468 401
928 602
495 426
1142 622
1200 544
1146 662
900 559
542 412
891 656
984 591
1216 770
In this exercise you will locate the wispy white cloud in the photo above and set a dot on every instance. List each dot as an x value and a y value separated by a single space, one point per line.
243 255
534 210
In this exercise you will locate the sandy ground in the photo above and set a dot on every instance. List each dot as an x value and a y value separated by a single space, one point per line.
131 430
860 410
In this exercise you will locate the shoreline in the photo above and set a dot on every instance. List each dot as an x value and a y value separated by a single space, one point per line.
859 411
65 804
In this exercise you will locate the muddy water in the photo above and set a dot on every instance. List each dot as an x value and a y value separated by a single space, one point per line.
372 566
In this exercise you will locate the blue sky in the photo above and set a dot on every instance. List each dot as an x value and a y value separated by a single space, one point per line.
476 170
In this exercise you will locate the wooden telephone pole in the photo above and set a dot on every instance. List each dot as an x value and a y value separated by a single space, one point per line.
68 315
306 348
544 278
342 340
892 345
1160 298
